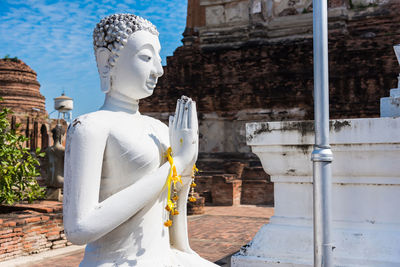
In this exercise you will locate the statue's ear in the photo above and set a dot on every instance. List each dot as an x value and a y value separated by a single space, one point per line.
102 56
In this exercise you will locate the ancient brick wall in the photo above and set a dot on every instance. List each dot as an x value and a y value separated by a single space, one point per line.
275 75
31 228
258 66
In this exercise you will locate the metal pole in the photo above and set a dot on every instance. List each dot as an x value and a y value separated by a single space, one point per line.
322 154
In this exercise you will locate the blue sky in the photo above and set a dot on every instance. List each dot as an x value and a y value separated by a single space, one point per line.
55 39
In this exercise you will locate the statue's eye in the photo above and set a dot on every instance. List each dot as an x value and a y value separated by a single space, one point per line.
145 57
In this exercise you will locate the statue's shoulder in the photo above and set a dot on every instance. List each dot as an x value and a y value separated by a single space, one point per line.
94 122
155 123
159 128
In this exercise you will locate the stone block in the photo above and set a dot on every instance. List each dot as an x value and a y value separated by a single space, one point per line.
215 15
235 168
54 194
204 186
237 12
257 192
226 190
255 173
364 3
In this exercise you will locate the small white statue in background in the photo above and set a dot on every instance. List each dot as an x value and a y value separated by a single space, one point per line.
115 169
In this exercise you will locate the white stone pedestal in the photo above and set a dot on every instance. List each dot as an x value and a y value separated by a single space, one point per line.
366 193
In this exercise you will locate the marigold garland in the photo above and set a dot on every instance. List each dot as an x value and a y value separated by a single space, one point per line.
193 184
172 179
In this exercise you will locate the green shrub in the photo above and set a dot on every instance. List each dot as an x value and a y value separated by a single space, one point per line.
13 59
19 166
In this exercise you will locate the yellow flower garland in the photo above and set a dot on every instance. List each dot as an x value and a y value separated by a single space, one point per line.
173 178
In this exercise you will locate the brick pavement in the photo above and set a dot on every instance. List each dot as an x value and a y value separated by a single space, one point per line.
215 235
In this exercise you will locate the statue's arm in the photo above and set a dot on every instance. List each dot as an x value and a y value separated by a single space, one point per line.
179 236
85 218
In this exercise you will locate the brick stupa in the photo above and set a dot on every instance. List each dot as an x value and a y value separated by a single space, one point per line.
19 87
20 91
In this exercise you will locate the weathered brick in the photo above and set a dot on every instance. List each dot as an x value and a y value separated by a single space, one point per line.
9 224
57 242
53 236
10 235
32 219
27 245
6 231
33 229
9 245
20 222
34 238
4 240
45 218
58 246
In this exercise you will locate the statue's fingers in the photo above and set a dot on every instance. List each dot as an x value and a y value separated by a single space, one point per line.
171 121
190 115
176 117
195 123
180 114
185 115
176 114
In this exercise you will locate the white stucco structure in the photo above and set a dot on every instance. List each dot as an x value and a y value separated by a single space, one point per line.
366 193
390 106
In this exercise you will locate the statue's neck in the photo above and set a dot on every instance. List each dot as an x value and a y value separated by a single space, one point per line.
117 102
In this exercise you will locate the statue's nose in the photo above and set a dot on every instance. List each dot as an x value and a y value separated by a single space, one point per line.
158 70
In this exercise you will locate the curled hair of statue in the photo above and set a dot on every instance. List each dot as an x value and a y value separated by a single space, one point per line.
112 32
58 133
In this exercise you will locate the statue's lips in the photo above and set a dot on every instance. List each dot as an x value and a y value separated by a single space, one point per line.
151 85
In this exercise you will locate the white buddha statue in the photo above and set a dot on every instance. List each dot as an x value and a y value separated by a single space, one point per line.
115 190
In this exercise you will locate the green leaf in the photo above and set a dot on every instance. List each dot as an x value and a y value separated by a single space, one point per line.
18 167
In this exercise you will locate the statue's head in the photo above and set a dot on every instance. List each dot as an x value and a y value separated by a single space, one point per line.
127 54
58 133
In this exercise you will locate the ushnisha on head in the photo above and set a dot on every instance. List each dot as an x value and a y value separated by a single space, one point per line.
112 32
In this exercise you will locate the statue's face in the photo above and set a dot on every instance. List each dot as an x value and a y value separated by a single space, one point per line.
138 67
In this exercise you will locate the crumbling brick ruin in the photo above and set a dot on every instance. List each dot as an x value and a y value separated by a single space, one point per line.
20 91
251 60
